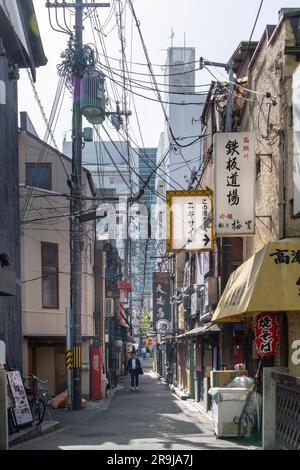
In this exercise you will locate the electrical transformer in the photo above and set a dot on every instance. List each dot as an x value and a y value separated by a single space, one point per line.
92 98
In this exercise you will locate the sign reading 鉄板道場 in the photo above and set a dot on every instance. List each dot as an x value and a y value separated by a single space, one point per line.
234 162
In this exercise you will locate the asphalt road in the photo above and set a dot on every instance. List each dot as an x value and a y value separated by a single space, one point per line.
152 418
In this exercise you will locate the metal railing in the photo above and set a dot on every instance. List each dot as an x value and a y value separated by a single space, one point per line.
287 411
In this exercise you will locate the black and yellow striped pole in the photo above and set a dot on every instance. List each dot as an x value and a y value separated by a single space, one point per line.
69 357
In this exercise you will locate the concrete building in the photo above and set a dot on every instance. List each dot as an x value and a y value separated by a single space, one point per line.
45 261
144 248
259 272
20 47
179 149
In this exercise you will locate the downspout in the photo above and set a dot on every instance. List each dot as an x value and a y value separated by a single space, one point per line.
283 147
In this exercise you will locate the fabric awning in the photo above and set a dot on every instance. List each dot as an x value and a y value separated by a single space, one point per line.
200 330
268 281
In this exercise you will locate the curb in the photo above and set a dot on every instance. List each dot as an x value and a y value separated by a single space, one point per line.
32 433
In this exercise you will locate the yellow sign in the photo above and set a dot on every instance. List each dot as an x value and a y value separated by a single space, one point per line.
190 220
269 281
77 357
69 359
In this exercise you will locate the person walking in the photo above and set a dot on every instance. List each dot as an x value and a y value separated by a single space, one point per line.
144 352
134 368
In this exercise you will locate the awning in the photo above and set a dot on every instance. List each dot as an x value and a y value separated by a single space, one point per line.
268 281
201 330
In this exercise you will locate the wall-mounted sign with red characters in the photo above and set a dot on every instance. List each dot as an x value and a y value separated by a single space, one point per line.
266 333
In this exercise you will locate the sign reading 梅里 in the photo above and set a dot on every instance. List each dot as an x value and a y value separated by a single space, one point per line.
234 164
266 333
189 220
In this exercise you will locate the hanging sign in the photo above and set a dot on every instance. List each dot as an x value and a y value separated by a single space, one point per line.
234 162
266 334
189 220
161 297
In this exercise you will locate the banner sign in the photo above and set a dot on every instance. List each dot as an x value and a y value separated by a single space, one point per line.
266 334
189 220
161 299
234 162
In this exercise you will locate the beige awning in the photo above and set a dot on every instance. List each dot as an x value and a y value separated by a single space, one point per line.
200 330
268 281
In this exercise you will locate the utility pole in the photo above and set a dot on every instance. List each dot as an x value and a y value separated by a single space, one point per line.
75 226
227 328
76 207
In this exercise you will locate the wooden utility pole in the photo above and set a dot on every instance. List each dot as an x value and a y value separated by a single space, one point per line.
76 208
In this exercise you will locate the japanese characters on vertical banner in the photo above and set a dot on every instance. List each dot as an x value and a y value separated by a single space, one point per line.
266 334
234 183
161 302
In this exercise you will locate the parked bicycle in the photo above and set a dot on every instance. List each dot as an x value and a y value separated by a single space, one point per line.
37 393
109 385
169 379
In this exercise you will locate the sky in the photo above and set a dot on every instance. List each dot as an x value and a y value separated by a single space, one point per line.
214 28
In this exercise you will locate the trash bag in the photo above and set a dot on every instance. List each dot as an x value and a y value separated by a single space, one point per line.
241 382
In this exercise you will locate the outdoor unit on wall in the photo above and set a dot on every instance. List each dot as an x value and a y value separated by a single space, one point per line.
109 307
195 304
92 98
212 290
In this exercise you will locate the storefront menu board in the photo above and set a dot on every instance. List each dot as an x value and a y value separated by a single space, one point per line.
22 409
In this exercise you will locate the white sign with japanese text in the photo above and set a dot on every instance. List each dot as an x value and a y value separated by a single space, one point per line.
234 161
190 215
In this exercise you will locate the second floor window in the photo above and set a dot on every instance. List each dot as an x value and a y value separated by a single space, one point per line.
49 275
38 175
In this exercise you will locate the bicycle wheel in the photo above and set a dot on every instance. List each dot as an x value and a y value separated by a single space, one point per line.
38 410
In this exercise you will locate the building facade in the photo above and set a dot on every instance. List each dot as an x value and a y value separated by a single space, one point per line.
45 261
20 48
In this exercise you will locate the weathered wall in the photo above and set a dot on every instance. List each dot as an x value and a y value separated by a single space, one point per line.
272 71
10 307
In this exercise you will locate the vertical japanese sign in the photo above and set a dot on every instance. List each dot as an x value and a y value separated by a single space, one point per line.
266 334
161 302
234 184
189 220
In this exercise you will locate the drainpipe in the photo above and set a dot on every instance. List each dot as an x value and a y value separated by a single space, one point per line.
283 146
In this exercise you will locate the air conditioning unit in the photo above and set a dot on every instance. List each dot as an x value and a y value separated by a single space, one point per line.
109 307
211 288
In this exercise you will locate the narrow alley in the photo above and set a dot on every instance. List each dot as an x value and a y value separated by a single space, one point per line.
152 418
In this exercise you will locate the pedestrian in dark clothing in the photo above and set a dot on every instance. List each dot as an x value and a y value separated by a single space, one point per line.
134 368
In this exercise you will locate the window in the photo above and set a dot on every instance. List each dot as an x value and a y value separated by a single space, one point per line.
38 175
49 275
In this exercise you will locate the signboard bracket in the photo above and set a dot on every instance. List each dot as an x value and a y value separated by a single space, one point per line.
269 227
270 155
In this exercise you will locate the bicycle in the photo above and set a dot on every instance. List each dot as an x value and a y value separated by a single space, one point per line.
169 379
38 401
109 385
